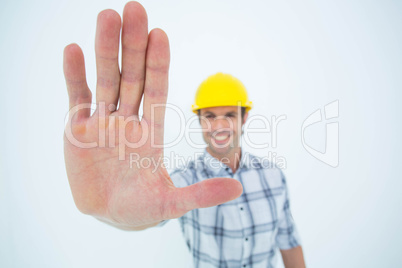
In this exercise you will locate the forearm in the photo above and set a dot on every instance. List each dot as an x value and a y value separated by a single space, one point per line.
293 258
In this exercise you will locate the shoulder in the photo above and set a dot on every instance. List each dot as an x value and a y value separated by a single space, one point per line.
271 171
252 161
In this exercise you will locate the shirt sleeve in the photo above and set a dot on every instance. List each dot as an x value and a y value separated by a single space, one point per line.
180 178
287 236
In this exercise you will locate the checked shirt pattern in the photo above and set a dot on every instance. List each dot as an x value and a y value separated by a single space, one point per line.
247 231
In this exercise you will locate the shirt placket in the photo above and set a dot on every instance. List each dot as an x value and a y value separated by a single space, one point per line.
244 215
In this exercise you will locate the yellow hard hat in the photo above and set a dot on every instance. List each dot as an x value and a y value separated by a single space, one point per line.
221 90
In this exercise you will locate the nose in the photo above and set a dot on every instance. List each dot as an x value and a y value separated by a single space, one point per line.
221 122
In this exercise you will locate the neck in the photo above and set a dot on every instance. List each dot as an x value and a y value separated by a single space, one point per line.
231 159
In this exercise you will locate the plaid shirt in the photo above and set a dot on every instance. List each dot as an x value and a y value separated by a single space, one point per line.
244 232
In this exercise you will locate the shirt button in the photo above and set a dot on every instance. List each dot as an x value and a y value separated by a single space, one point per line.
246 239
241 208
244 265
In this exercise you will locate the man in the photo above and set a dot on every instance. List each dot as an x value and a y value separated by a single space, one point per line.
246 231
98 147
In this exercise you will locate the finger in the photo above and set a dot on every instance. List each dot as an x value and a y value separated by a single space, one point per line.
134 46
107 51
207 193
156 82
74 73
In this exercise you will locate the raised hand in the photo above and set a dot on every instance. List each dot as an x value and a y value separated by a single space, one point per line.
98 147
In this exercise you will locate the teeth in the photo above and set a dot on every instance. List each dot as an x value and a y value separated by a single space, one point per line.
221 138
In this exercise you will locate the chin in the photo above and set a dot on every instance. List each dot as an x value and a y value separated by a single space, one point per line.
220 151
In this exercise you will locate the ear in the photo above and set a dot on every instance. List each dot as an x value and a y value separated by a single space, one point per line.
245 118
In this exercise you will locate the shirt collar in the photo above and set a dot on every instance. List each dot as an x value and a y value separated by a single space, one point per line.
215 167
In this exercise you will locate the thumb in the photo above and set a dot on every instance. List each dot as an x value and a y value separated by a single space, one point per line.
207 193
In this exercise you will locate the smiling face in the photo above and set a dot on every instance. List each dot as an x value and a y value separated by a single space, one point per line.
222 129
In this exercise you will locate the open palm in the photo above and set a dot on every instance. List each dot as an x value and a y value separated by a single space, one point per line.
99 148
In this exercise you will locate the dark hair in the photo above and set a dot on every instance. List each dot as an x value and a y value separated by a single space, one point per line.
243 112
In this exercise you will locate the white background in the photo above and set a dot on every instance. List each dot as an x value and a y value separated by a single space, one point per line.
293 56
